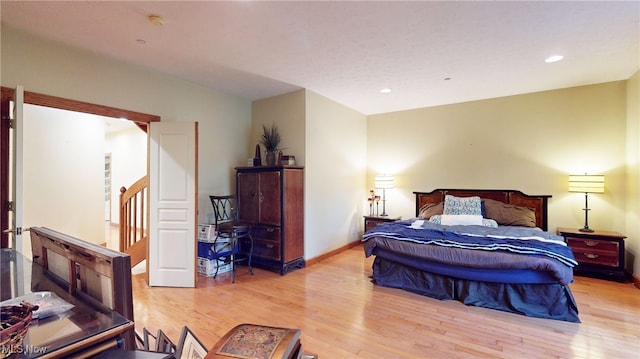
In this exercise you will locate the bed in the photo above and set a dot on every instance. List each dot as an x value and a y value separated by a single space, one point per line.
485 248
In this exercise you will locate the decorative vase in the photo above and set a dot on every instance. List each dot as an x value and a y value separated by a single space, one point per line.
271 158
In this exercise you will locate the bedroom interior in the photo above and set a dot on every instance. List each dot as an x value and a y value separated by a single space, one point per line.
529 141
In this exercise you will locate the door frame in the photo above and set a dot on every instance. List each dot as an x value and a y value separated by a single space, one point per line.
6 95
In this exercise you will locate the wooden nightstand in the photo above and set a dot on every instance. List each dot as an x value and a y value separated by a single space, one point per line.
600 254
372 221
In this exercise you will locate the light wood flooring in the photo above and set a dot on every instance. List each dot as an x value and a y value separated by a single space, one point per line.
343 315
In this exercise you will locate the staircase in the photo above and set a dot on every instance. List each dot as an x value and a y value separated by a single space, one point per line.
134 209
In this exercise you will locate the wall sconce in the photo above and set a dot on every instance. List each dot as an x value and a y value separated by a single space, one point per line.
384 182
586 184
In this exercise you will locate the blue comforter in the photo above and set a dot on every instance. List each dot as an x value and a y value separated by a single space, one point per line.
522 240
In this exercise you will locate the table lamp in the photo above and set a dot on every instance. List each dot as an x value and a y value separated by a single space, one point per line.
384 182
586 184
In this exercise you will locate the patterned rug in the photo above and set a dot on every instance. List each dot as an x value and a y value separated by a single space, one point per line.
255 341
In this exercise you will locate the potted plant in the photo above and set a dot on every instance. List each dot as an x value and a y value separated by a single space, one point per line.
270 140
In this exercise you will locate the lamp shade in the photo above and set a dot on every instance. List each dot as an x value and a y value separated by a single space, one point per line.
384 181
586 183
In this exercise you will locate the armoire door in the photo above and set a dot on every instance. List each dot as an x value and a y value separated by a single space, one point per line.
259 197
271 203
248 194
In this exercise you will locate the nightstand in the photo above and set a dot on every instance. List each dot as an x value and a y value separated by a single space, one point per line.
372 221
600 254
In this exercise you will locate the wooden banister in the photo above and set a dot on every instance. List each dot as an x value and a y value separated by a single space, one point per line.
133 213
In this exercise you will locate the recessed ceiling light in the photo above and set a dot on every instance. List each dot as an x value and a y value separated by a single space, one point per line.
554 58
385 90
141 42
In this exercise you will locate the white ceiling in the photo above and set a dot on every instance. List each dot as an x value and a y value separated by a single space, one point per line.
347 50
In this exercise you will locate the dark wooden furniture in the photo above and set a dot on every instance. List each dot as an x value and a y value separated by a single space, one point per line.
117 353
86 269
600 254
95 274
248 341
372 221
85 330
271 198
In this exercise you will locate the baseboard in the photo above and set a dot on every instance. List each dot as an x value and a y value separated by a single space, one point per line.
636 280
320 258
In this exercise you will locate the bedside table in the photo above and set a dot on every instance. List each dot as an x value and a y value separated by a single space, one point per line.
372 221
600 254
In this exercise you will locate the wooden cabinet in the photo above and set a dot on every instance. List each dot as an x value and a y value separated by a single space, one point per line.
372 221
271 198
599 254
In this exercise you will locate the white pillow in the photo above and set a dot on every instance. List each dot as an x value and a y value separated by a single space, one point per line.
435 219
461 219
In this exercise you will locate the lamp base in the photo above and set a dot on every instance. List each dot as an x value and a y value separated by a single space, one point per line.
586 229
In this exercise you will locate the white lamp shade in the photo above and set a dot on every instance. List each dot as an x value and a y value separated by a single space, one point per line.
384 181
586 183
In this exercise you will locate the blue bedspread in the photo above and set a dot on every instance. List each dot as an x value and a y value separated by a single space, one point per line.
516 239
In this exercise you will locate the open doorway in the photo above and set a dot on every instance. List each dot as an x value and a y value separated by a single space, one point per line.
125 163
141 120
63 169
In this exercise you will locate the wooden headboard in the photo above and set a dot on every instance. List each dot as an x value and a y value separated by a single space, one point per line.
517 198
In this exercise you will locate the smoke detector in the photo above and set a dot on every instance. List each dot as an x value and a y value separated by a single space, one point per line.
156 20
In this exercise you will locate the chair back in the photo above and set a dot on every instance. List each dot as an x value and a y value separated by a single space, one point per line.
224 208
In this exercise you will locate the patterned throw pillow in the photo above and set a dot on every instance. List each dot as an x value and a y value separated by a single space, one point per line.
462 205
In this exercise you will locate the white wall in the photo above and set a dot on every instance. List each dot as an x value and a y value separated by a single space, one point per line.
336 145
128 149
72 181
51 68
632 229
529 142
287 112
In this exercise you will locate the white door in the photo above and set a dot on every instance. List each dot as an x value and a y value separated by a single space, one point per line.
173 203
15 223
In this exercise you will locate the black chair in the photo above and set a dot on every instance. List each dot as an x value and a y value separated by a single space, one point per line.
232 235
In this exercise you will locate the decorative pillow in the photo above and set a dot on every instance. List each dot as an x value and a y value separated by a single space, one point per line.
489 223
437 219
430 209
461 220
462 205
508 214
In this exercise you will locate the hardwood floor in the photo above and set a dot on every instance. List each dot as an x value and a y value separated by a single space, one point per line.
343 315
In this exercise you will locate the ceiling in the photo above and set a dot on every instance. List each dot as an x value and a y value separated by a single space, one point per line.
429 53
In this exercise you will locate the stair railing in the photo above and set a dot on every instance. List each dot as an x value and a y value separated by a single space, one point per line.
134 207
